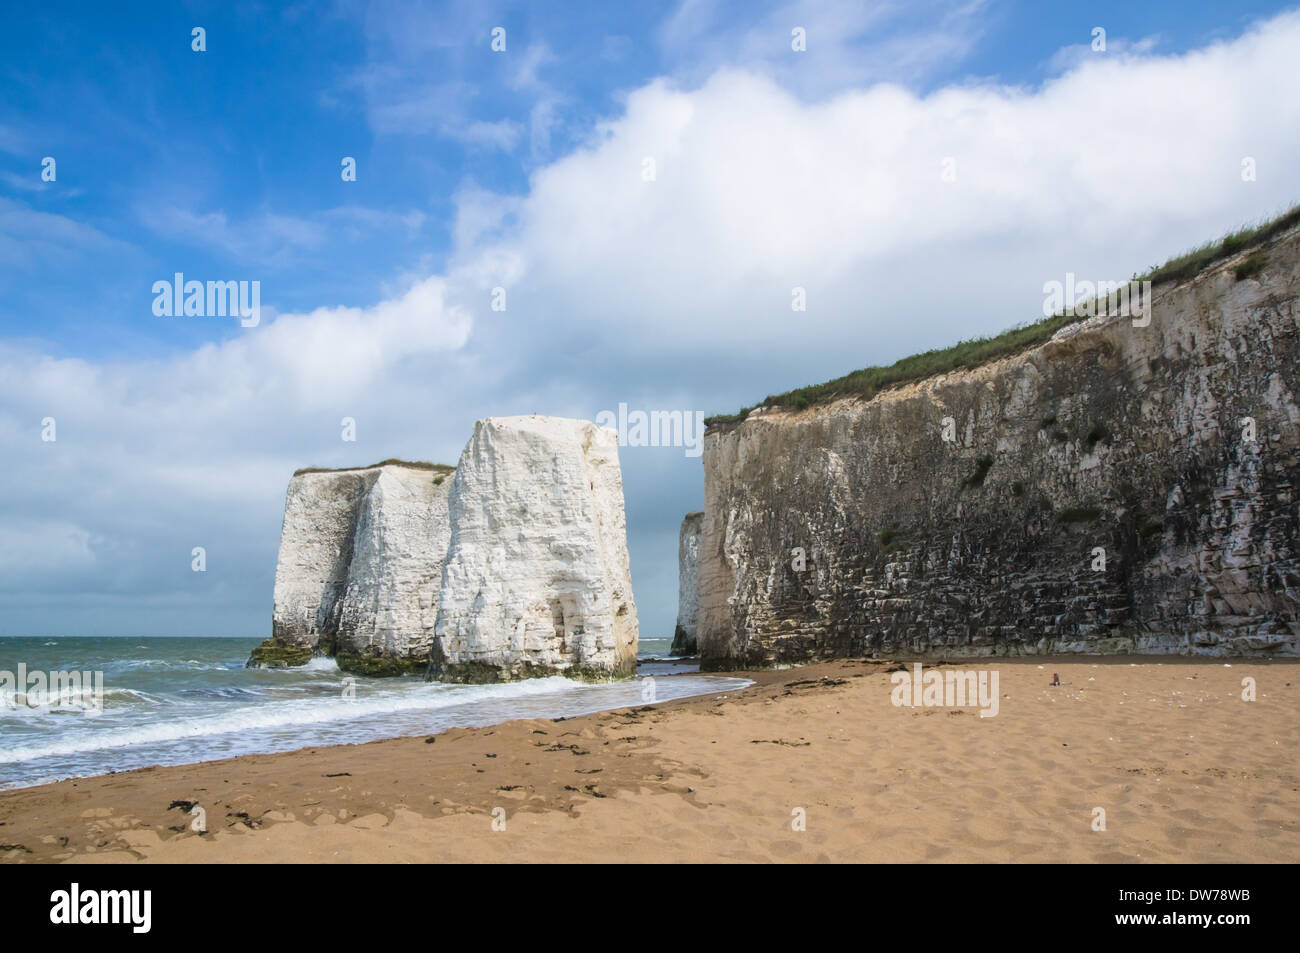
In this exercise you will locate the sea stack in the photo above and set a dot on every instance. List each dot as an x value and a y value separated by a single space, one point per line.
360 568
536 580
688 561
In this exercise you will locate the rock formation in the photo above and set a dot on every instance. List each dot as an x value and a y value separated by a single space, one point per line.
518 563
688 554
1118 489
536 580
390 605
360 568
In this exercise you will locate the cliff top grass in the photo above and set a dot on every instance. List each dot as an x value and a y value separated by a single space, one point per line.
440 468
870 381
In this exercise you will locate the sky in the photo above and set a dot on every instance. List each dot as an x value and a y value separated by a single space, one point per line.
647 183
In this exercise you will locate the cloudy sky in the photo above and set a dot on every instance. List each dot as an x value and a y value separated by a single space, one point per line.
921 169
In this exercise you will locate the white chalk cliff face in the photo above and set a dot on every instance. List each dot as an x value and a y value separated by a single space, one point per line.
1124 487
390 604
536 579
315 552
534 541
688 603
360 568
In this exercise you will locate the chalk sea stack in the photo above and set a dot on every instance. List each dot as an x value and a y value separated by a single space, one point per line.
688 557
360 568
537 579
512 565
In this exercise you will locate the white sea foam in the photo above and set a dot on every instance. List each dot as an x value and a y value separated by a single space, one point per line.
178 701
287 714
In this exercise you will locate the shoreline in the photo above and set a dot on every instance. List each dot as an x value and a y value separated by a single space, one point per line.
184 710
1185 770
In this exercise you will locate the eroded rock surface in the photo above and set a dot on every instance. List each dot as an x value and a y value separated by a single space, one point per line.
390 605
536 580
360 568
688 556
1128 443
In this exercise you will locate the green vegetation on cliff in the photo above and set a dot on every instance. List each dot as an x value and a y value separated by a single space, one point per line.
477 673
441 468
377 666
869 381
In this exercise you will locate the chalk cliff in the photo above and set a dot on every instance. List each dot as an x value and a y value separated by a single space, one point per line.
390 605
1116 489
360 568
536 579
515 567
688 555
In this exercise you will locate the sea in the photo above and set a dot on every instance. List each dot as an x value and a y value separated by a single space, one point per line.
169 701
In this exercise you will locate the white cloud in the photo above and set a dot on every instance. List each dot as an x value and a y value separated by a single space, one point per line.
1069 57
525 70
480 216
337 352
503 134
847 44
269 239
1118 162
27 234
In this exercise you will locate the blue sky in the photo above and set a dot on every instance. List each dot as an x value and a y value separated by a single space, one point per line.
522 169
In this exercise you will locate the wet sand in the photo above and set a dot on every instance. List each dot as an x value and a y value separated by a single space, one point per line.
1184 769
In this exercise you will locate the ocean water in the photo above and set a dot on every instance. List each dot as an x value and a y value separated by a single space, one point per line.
182 700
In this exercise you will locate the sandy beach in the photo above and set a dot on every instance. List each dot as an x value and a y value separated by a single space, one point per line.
1184 769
